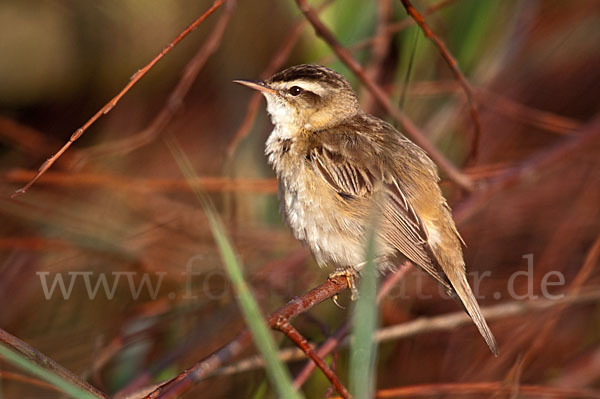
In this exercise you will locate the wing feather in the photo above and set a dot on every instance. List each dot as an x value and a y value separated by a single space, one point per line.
402 227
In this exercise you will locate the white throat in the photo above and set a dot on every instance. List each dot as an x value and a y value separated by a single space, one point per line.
282 115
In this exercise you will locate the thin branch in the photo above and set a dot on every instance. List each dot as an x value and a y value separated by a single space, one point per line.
546 330
175 100
33 243
588 136
453 320
47 363
410 128
422 325
324 350
503 105
205 367
281 55
276 62
525 114
111 104
453 64
286 327
332 342
29 140
581 372
487 171
379 50
115 182
391 29
483 388
9 375
398 26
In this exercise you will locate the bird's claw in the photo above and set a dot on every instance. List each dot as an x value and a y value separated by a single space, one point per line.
351 276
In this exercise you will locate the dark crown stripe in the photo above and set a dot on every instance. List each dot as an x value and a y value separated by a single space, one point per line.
311 73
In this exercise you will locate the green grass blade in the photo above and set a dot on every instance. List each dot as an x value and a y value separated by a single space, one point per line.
66 386
363 351
276 371
409 69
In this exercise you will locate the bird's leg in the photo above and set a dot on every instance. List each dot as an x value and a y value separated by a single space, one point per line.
351 275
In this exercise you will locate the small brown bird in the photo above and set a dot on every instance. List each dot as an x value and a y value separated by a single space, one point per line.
332 159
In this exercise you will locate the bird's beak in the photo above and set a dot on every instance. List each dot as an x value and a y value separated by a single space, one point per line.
256 85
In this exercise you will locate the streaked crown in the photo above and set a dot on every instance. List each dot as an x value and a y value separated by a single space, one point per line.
310 73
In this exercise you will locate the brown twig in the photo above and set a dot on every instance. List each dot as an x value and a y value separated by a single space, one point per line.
33 243
588 136
197 337
546 330
111 104
581 372
400 25
391 29
47 363
482 388
253 105
286 327
411 129
525 114
175 100
453 64
453 320
503 105
422 325
9 375
324 350
28 139
114 182
379 50
332 342
487 171
184 381
281 55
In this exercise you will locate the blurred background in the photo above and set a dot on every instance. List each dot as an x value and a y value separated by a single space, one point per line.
116 203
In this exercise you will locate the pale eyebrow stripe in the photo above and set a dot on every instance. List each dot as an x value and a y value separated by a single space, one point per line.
304 84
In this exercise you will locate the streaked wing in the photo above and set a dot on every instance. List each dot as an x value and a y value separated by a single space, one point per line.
403 229
345 177
408 234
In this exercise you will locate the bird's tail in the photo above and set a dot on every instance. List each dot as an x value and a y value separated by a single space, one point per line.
465 294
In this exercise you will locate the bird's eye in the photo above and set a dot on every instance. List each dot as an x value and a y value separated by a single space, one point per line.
295 90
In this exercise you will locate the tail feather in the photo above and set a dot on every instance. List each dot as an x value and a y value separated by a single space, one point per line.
465 294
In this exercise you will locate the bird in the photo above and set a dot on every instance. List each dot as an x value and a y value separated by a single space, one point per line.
335 163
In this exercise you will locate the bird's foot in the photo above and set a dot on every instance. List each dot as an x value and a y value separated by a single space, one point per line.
351 276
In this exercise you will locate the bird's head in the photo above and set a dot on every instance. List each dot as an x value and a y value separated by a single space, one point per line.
309 97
